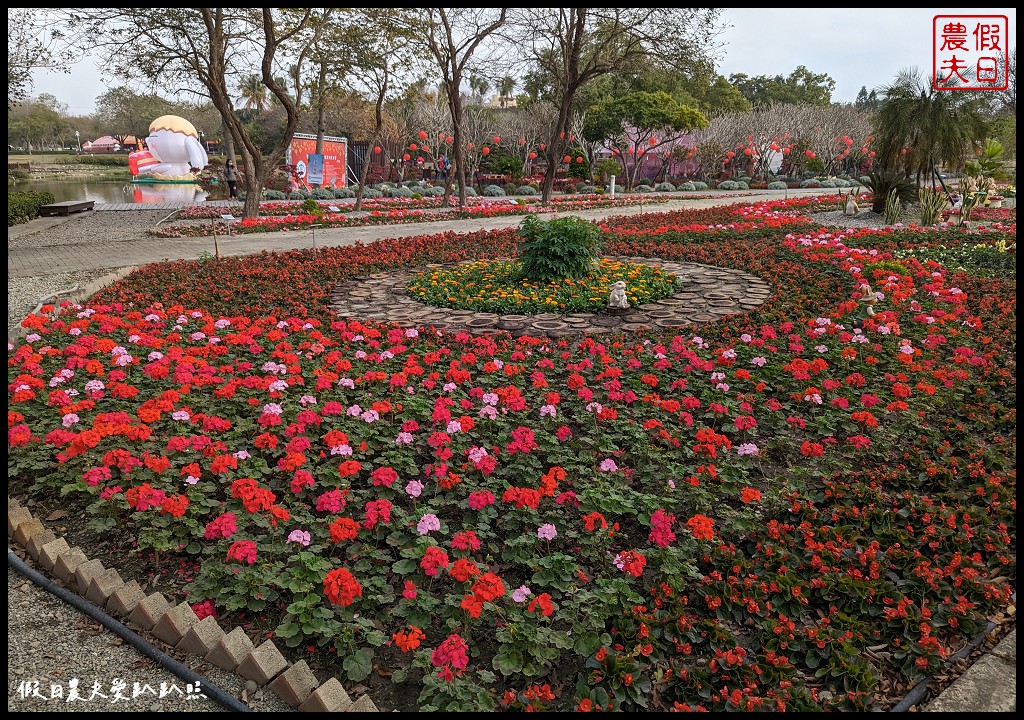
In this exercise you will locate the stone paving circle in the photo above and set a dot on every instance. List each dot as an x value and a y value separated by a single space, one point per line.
707 294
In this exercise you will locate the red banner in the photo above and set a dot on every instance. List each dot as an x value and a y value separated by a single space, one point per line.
309 171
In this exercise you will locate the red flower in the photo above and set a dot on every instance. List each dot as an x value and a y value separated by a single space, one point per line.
434 558
223 526
384 476
344 528
543 603
702 527
750 495
341 587
409 641
242 551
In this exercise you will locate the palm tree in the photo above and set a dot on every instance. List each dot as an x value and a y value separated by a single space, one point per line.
918 127
505 88
479 86
254 93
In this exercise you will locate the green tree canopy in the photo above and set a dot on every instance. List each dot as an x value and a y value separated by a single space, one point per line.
800 87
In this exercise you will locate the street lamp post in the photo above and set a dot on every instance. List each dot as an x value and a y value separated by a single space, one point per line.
78 142
202 141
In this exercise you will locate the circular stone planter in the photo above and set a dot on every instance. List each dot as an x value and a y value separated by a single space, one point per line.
707 294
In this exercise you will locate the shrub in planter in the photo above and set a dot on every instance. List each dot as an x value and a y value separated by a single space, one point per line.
741 185
643 189
494 191
558 249
383 187
686 187
700 185
864 180
810 183
777 185
417 196
665 187
526 190
728 185
470 192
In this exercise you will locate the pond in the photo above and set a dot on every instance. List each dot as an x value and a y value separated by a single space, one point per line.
114 191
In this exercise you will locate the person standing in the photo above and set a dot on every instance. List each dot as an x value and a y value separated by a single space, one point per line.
231 178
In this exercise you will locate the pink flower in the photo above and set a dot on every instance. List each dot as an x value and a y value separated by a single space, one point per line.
414 488
299 536
608 465
521 593
428 523
547 532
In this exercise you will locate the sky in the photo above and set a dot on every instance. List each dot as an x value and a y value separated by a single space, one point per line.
857 47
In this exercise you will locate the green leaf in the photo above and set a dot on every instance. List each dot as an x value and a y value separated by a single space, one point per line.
359 664
404 567
508 662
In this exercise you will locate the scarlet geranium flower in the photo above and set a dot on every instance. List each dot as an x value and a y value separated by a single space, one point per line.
341 587
242 551
408 641
702 527
223 526
434 558
344 528
543 603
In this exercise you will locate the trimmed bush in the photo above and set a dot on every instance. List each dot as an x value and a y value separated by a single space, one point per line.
526 190
864 180
743 179
686 187
399 192
665 187
742 185
643 189
510 188
558 249
728 185
24 206
810 183
274 195
827 183
700 186
777 185
343 192
298 195
372 193
586 189
323 194
494 191
436 191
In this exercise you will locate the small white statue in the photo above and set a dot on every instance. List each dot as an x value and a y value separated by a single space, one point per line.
851 204
868 299
617 298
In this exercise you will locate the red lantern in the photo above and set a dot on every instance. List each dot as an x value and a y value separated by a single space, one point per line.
376 150
572 138
561 136
543 146
423 134
579 160
497 139
533 156
425 149
471 146
747 151
522 141
406 157
871 154
810 154
566 159
653 141
486 151
785 150
419 159
449 140
412 146
730 154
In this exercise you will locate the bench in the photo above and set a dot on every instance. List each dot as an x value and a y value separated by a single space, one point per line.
67 207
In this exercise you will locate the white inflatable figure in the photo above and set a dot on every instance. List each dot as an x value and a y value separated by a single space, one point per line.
617 298
174 143
851 204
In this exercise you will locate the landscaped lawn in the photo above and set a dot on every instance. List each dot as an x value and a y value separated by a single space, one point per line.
802 507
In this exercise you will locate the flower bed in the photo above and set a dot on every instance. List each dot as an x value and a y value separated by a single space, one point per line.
281 216
496 286
800 508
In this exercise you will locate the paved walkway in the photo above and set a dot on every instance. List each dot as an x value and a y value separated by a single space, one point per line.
988 685
101 254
